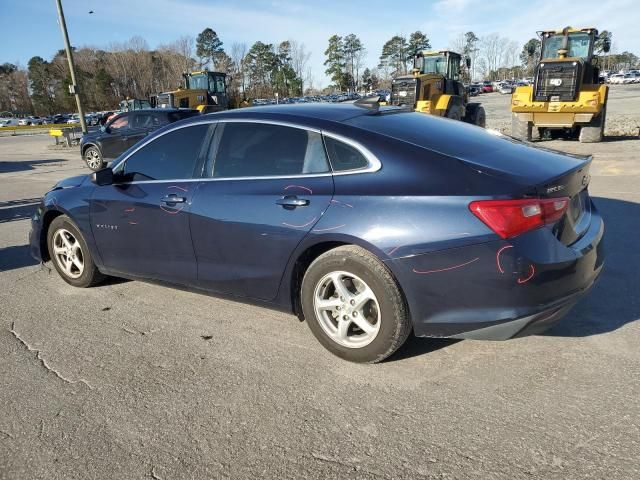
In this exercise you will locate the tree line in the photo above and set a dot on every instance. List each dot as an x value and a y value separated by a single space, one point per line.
131 69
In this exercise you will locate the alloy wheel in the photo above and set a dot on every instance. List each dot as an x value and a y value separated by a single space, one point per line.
68 253
347 309
92 157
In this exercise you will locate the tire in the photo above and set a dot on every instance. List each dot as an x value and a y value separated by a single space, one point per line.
71 258
93 158
521 130
476 116
594 131
383 309
454 112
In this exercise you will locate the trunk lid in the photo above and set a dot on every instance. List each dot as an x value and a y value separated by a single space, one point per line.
574 185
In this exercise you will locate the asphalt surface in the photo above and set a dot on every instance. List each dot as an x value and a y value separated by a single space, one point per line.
132 380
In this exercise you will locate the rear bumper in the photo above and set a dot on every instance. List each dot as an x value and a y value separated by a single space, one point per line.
502 289
527 325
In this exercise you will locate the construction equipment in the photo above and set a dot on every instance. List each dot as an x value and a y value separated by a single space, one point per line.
566 96
204 90
434 87
131 104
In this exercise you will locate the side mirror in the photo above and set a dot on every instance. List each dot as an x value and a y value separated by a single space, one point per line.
102 177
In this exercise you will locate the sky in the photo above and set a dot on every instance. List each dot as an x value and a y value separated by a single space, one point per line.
29 27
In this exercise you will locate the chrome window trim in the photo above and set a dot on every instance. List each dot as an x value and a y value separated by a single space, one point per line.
374 163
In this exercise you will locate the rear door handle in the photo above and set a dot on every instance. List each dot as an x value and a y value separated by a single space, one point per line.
173 198
291 201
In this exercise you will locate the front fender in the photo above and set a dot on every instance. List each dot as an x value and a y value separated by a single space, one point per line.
75 203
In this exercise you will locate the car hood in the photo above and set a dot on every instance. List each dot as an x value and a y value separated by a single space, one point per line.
70 182
91 136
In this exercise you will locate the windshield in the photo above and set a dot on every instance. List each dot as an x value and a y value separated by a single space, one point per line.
199 82
577 46
432 64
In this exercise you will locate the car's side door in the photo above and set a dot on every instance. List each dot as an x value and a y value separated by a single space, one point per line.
141 221
267 186
115 139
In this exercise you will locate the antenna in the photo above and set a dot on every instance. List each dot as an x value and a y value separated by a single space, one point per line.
370 103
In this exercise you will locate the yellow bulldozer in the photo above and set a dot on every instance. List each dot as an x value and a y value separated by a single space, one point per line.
203 90
434 87
566 97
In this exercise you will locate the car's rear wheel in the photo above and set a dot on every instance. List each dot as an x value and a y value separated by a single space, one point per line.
353 305
93 158
70 255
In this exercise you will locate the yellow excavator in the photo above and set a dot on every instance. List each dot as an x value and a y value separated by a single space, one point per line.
566 97
203 90
434 87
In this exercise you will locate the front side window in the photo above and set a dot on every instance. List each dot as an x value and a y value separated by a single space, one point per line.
263 150
219 84
173 155
120 123
344 157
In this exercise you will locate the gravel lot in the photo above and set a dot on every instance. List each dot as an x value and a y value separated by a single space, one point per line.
131 380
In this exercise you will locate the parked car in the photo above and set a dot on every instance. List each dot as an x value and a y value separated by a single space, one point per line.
352 218
620 78
474 91
9 122
123 131
505 88
30 121
55 119
487 87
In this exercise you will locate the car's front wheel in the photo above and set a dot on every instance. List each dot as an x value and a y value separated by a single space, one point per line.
70 255
93 158
353 305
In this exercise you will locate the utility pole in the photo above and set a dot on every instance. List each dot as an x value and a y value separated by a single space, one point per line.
73 88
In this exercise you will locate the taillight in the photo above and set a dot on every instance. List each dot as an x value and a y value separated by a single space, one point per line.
509 218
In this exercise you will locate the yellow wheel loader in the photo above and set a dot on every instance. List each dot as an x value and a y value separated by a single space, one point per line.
204 90
434 87
566 97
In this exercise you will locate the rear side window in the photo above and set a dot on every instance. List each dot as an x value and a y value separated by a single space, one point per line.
344 157
145 120
262 150
173 155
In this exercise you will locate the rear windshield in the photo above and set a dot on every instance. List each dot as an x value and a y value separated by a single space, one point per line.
461 140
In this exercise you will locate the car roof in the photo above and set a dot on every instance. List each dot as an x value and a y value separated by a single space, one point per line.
293 112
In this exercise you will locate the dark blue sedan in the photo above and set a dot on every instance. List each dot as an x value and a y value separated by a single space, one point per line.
368 223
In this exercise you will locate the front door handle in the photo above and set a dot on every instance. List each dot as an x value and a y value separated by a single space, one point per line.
291 201
172 199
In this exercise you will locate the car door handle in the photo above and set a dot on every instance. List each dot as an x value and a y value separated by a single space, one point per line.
173 198
292 202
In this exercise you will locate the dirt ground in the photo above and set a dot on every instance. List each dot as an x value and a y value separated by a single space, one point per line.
130 380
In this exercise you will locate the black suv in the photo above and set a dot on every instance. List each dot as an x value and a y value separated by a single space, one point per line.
125 130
